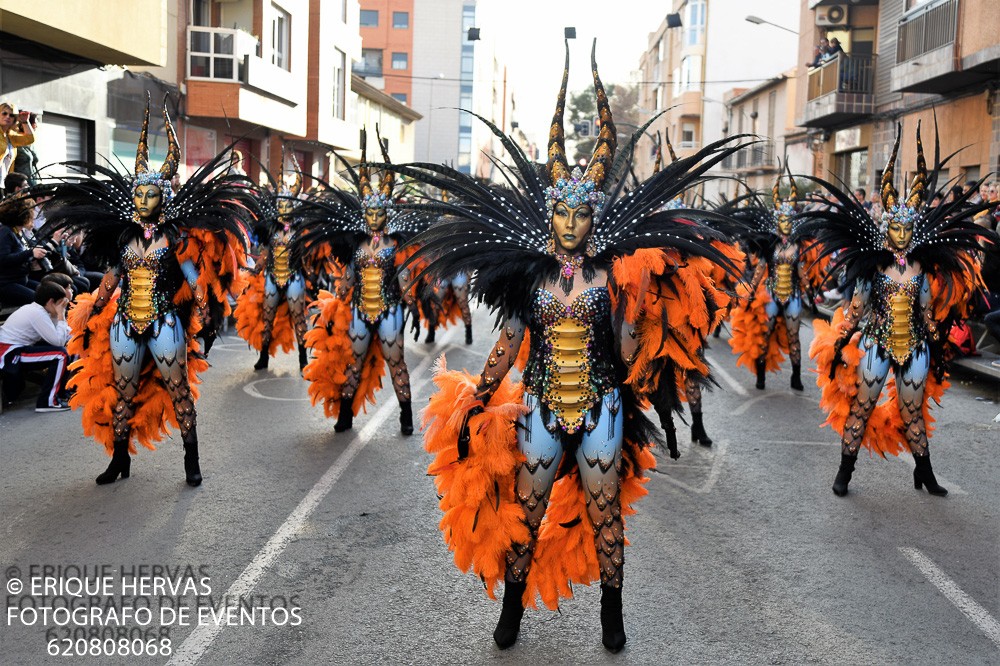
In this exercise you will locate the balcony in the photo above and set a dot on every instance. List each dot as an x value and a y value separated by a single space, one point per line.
840 91
926 58
758 157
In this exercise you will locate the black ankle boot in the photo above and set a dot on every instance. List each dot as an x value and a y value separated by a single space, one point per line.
120 465
509 623
698 433
717 332
797 377
612 623
761 372
303 358
192 470
923 475
345 420
430 335
844 474
405 418
261 363
468 334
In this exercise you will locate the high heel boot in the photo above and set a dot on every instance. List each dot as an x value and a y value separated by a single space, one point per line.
612 623
265 357
192 470
923 475
431 331
406 418
698 433
509 623
303 359
120 465
345 420
796 382
844 474
761 373
468 334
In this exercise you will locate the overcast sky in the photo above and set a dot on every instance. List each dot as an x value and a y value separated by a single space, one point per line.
529 40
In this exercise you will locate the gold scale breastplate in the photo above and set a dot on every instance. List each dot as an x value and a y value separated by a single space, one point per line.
279 267
371 291
783 281
141 307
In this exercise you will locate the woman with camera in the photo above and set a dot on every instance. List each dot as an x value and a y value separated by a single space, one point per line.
16 252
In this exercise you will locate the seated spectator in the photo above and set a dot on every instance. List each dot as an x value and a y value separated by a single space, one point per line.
36 335
16 213
14 182
834 50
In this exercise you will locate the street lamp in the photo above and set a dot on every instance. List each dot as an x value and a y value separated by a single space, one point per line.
756 20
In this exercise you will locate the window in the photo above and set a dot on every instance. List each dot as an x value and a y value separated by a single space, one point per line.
694 22
369 18
687 136
852 168
401 20
339 83
200 14
399 97
772 110
657 98
467 64
281 26
690 74
400 60
371 63
661 47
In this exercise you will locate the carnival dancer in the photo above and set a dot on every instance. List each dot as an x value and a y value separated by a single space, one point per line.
271 312
766 324
360 329
915 269
136 337
535 478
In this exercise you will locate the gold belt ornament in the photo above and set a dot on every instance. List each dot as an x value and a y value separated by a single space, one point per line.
570 395
371 292
281 270
140 303
900 332
783 282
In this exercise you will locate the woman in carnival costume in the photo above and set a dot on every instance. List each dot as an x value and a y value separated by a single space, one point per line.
360 329
271 313
766 325
535 478
915 269
171 253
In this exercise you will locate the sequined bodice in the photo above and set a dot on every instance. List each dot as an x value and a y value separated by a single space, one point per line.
147 286
570 363
376 289
894 322
781 281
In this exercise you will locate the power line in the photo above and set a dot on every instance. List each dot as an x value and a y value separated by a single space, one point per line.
412 77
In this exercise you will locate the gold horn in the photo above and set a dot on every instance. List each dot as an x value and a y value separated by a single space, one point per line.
142 149
793 194
364 173
607 139
670 148
918 189
173 159
388 178
775 197
659 155
557 166
296 185
886 189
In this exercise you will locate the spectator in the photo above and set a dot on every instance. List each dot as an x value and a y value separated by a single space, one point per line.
820 53
977 197
10 138
936 200
876 205
73 247
834 50
862 198
14 182
16 213
26 161
37 334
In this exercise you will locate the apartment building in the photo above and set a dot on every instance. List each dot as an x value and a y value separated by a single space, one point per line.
700 52
906 60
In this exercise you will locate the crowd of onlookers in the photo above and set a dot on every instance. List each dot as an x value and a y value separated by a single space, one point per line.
826 50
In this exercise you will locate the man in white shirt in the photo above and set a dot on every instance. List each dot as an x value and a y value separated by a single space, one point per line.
37 334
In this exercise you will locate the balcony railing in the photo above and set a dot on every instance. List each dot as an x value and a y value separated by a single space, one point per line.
219 53
927 30
844 74
757 156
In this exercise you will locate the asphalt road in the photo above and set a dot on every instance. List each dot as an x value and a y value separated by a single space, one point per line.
740 554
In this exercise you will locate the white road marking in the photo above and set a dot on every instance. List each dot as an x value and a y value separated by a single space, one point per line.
794 443
727 378
972 610
251 390
767 394
195 645
713 474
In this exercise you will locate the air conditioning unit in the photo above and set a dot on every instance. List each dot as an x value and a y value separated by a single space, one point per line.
831 15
